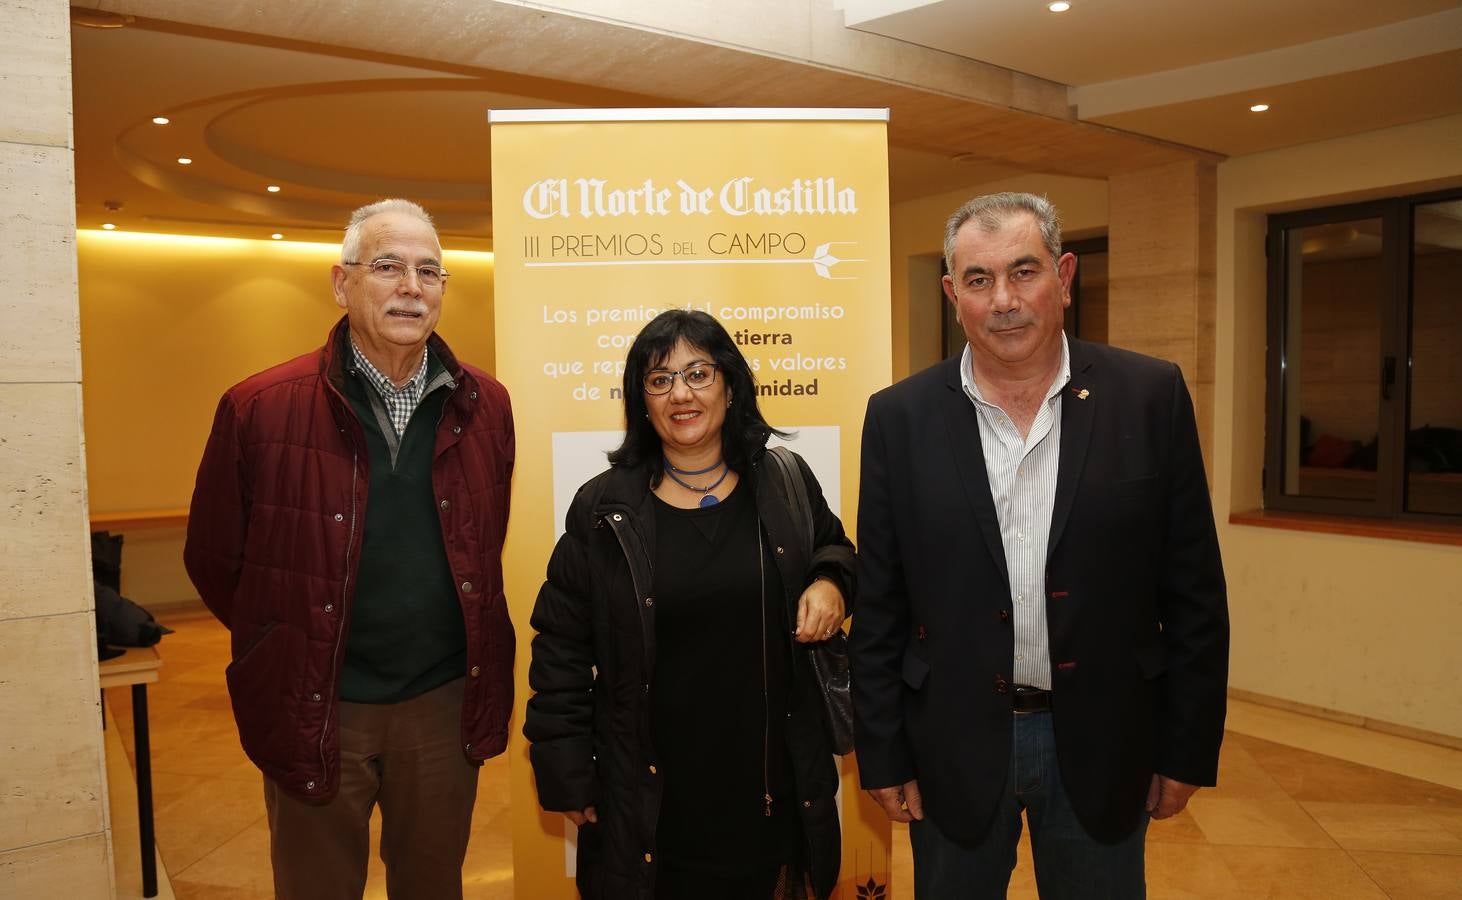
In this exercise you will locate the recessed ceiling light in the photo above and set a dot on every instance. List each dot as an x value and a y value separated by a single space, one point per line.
277 236
1259 107
273 189
108 226
1058 6
160 120
185 161
95 18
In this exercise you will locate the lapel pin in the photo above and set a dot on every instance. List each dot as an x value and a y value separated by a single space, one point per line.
1083 394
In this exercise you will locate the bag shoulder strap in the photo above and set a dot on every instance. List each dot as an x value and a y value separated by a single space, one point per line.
795 489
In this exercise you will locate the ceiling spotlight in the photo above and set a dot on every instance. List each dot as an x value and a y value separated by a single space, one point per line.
273 189
277 236
1259 107
160 120
108 226
1058 6
185 161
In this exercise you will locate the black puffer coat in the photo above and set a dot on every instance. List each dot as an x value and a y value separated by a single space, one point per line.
594 660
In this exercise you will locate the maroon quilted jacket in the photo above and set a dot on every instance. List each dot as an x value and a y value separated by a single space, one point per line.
274 538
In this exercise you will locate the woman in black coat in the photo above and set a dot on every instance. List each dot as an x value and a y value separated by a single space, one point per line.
676 718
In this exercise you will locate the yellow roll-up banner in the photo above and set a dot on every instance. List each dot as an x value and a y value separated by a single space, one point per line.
775 221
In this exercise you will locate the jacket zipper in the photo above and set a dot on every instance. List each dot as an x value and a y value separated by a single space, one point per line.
345 594
615 520
340 631
766 703
788 628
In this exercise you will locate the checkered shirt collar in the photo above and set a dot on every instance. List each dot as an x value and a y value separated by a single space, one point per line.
400 402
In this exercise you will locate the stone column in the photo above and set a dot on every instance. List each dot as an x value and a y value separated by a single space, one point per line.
55 838
1162 240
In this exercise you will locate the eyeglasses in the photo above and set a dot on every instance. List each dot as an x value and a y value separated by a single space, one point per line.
697 377
394 270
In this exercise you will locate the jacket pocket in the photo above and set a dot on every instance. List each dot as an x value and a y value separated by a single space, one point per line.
257 682
502 640
1152 660
915 670
1135 487
254 643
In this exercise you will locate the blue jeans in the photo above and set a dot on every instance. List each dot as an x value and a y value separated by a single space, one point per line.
1069 863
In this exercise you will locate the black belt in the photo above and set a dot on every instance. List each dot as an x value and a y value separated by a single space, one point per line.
1027 699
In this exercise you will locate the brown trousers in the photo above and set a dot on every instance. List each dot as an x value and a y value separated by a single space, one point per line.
408 758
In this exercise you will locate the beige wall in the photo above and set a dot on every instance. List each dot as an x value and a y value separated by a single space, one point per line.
917 242
1160 252
1359 625
168 324
54 834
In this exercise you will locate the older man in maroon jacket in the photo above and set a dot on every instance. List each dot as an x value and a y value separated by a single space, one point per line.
347 527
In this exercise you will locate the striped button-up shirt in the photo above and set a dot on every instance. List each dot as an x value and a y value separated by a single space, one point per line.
401 401
1023 485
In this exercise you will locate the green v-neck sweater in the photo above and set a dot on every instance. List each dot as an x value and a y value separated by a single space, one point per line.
407 634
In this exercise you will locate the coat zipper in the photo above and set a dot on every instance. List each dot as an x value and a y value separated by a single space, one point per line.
344 593
615 520
766 703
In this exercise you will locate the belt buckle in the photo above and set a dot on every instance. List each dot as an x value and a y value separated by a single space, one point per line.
1039 700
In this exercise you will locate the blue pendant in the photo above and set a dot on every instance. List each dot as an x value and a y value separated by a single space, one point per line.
709 500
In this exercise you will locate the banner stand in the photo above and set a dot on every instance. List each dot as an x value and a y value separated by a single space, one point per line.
775 221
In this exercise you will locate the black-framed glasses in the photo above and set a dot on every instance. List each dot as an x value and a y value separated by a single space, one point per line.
697 377
394 270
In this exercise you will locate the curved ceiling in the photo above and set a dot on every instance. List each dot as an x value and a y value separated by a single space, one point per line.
333 127
330 131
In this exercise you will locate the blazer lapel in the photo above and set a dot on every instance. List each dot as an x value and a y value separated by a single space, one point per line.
1078 411
969 454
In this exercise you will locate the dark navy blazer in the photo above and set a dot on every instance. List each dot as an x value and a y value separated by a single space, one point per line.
1135 598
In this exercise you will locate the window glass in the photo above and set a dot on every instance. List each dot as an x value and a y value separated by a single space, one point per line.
1091 296
1334 283
1434 421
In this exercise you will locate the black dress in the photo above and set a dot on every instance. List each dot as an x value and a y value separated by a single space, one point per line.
719 703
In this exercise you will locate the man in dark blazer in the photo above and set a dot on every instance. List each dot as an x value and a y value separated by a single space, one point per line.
1042 619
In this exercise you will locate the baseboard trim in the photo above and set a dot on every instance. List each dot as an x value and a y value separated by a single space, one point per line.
1345 718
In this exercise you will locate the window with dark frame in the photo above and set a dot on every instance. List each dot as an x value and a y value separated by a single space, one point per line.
1086 317
1364 406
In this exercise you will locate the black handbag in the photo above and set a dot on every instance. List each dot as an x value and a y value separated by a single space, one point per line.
829 658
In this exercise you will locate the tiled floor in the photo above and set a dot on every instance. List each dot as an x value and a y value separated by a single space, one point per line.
209 799
1304 808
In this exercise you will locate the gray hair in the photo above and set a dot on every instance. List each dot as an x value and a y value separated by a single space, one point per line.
350 247
992 210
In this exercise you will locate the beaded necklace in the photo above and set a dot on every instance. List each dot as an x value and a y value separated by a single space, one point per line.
708 499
